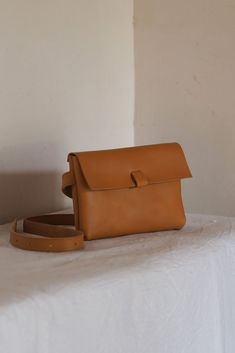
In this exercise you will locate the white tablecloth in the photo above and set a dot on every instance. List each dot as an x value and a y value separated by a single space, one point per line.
169 292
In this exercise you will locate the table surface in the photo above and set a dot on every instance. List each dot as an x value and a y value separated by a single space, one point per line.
165 292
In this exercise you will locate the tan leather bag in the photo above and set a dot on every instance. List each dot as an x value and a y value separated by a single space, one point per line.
115 192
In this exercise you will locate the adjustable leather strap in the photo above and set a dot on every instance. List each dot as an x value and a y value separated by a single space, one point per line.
50 233
53 237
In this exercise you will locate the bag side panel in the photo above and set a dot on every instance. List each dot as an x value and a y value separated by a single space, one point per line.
73 169
79 188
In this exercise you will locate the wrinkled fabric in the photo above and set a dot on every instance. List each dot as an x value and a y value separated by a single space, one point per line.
167 292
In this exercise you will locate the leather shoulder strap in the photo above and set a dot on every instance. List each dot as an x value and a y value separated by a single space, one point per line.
53 237
67 183
50 233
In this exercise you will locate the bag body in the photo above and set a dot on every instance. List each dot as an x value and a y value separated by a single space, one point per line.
115 192
128 190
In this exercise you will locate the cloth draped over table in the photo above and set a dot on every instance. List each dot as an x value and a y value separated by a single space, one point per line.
167 292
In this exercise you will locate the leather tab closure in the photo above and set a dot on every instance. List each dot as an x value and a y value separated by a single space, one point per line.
139 178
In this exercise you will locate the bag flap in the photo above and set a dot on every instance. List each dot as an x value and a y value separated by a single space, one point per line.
113 169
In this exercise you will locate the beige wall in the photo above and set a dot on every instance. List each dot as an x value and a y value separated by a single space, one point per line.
66 83
185 91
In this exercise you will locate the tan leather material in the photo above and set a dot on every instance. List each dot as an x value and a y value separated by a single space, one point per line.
108 212
114 192
73 166
139 178
67 182
111 169
53 238
145 209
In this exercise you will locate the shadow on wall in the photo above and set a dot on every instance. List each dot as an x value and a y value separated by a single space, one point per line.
28 194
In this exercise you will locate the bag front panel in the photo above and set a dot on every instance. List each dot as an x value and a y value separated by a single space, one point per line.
112 213
133 190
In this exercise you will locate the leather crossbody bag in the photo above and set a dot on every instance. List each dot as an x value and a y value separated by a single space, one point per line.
115 192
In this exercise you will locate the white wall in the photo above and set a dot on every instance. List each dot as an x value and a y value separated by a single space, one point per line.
185 91
66 84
